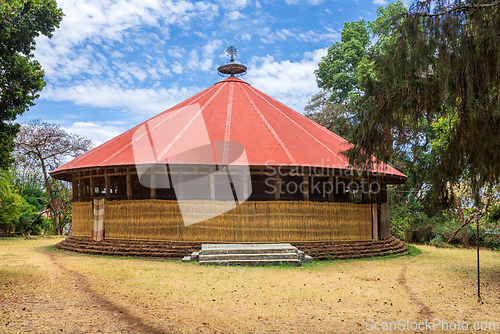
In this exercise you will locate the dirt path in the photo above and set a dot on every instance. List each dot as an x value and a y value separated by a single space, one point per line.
425 312
122 315
63 301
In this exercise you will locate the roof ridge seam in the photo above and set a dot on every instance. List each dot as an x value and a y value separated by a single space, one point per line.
278 139
172 143
112 140
383 165
227 134
157 125
300 127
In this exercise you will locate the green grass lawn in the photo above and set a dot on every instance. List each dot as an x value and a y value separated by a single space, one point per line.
82 293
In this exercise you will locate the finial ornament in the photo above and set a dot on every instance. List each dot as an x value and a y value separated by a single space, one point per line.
232 51
232 69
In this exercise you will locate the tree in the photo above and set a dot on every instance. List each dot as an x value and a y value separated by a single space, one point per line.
21 77
333 116
336 71
411 204
443 67
46 146
5 179
10 211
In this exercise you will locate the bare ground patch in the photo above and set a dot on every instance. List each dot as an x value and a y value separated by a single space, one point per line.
49 291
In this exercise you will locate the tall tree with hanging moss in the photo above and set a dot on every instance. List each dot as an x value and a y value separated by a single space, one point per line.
442 69
21 76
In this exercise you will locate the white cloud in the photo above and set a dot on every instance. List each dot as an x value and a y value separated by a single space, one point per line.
380 2
298 2
98 132
293 83
234 15
177 68
104 22
207 62
327 35
233 4
246 36
176 52
136 102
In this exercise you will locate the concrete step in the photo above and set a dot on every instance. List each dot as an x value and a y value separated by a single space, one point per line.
248 256
256 262
212 249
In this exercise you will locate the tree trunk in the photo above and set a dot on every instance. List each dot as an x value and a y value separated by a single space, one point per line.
458 230
56 223
50 196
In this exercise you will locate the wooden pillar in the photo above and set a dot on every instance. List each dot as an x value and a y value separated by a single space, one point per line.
351 193
180 180
245 185
383 192
364 191
74 186
129 184
79 187
277 186
375 221
305 189
153 182
212 186
92 188
107 184
331 194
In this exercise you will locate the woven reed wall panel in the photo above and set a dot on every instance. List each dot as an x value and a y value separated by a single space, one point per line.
83 218
278 221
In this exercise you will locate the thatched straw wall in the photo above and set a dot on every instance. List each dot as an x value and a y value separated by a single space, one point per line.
83 217
279 221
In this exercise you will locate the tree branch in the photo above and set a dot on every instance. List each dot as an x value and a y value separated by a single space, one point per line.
461 8
458 230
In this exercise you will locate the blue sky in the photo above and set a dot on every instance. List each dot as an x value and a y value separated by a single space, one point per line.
115 63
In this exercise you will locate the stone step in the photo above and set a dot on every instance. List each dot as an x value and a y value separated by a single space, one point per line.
248 256
166 249
256 262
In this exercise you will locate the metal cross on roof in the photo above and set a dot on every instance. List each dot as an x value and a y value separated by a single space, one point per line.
232 51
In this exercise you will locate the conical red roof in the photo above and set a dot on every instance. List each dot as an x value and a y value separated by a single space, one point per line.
231 110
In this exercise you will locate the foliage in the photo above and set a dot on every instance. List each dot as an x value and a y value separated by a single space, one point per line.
10 211
21 76
5 180
42 146
424 97
333 116
442 66
336 72
23 205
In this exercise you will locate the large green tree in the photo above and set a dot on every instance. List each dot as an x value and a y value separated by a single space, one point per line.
336 71
21 76
336 108
442 69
